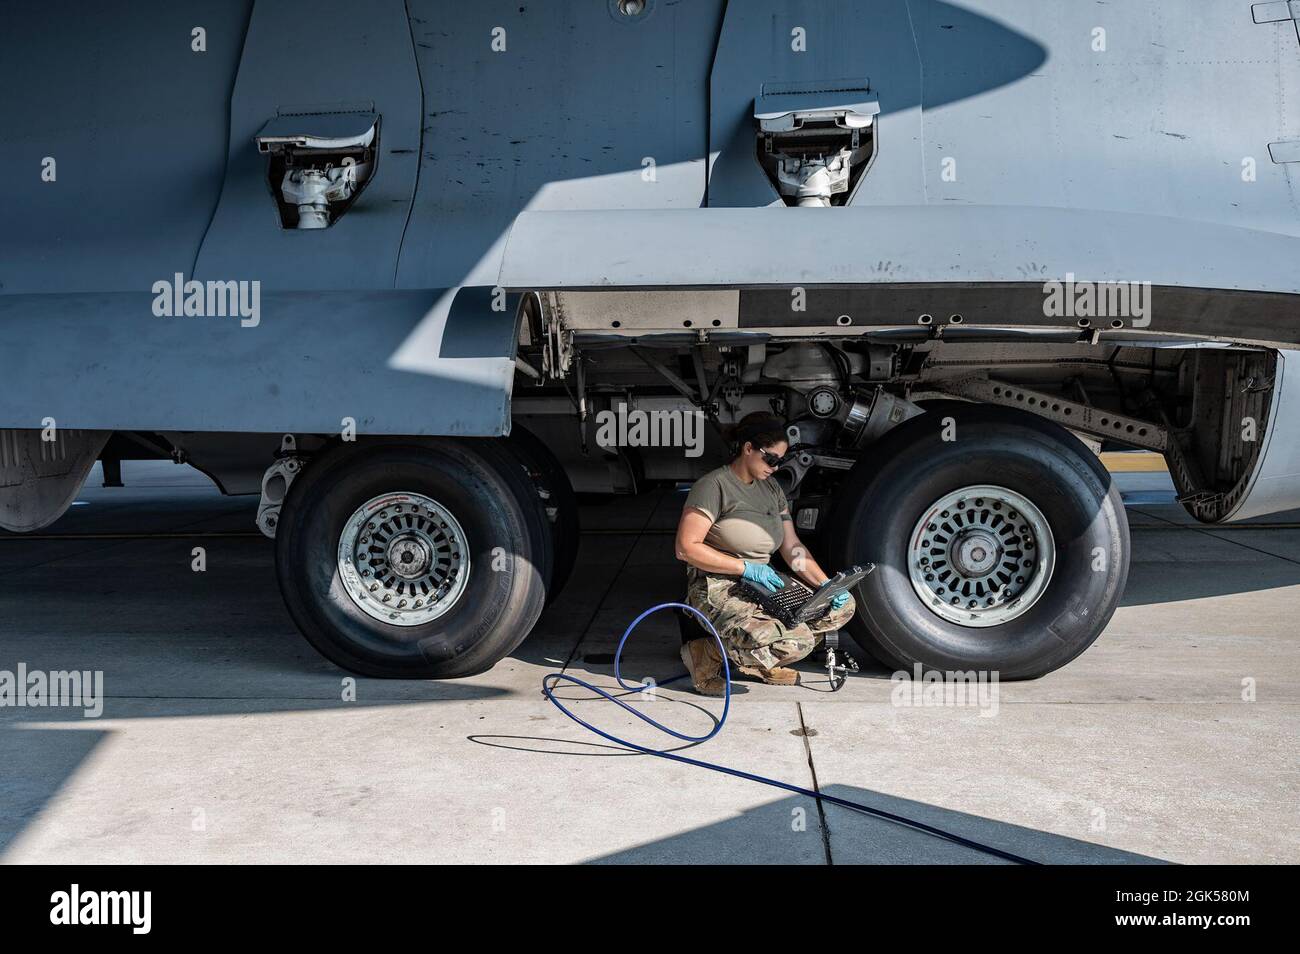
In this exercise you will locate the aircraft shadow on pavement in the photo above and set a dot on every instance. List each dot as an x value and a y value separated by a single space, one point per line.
844 836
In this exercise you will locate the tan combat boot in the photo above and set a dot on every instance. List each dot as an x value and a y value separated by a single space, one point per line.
776 676
705 666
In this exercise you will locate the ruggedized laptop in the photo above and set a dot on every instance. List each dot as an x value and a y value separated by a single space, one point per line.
795 602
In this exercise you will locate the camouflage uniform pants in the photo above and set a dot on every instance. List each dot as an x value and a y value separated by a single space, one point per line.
753 638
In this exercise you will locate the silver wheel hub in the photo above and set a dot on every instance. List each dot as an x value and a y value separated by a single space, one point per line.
976 553
403 558
409 557
981 556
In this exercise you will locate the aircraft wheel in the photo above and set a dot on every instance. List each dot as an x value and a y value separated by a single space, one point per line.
413 561
1001 548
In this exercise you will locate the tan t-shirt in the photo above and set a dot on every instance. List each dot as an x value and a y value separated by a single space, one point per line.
747 518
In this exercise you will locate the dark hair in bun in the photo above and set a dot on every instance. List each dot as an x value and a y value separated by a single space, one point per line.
760 429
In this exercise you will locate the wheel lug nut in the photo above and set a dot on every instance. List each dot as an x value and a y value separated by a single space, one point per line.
401 603
1020 579
972 604
373 587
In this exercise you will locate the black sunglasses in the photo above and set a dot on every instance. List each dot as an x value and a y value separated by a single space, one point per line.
772 460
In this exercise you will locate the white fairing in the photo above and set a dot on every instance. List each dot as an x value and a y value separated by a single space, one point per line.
1275 484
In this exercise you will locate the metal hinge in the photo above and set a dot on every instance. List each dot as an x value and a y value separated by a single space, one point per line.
275 484
1276 11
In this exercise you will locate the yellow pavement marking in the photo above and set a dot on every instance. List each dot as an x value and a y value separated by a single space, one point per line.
1134 462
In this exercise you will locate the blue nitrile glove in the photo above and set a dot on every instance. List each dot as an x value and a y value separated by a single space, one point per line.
760 574
839 599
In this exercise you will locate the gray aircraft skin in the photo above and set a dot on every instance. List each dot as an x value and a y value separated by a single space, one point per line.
290 243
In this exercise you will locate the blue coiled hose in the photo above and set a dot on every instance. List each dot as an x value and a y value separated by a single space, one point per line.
550 680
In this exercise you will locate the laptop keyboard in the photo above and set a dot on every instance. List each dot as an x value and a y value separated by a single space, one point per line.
784 604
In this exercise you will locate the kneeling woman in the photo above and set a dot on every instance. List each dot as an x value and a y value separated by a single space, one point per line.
735 518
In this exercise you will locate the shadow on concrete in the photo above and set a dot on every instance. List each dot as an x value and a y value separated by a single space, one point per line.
37 763
851 837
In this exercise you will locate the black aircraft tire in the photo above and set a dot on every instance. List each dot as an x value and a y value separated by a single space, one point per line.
477 483
911 470
549 474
